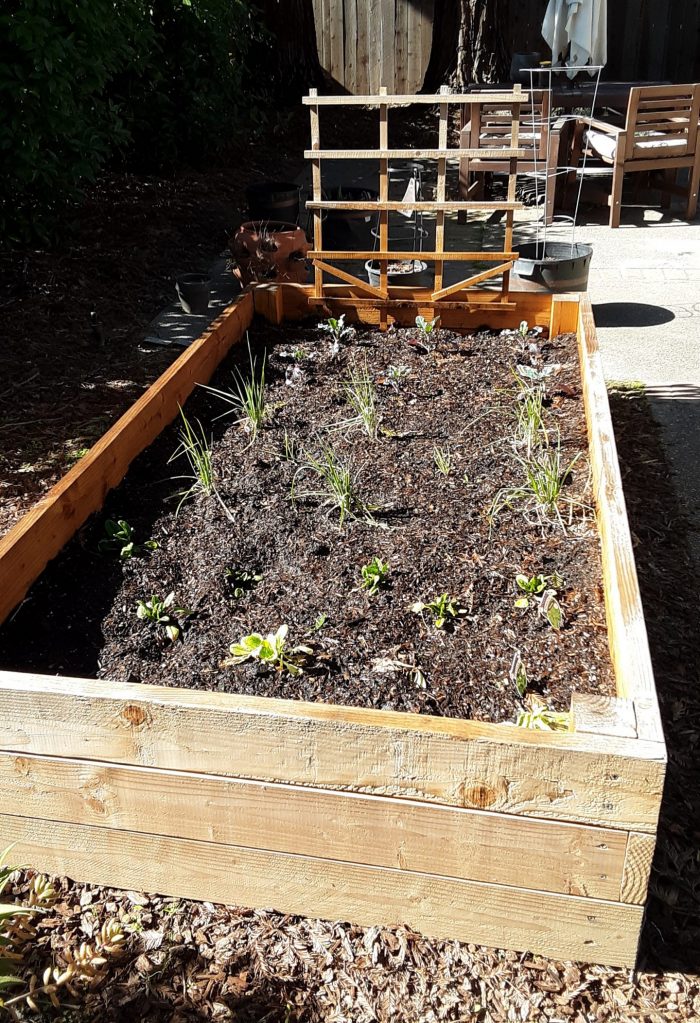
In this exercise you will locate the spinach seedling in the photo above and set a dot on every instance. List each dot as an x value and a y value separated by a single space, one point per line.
395 374
374 575
444 609
541 591
161 612
120 541
240 581
270 649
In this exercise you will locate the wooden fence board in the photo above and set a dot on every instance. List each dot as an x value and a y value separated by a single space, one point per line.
564 926
376 831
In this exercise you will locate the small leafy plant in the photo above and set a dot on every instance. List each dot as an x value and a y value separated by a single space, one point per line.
375 575
17 932
120 541
518 674
537 715
541 590
443 460
337 485
271 649
240 581
161 612
362 398
427 327
337 332
523 328
396 374
443 609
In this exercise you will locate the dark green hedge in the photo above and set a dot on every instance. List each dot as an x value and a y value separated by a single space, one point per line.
83 82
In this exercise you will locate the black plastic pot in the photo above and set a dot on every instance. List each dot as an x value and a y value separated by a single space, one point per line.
558 266
273 200
518 65
193 291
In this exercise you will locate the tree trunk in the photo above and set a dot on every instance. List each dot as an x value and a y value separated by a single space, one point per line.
292 53
469 44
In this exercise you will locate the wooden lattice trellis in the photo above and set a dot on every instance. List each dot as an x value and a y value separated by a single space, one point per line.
323 259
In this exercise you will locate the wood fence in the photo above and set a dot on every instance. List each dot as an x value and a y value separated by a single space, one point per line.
365 44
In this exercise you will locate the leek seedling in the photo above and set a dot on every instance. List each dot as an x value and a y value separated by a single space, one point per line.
362 398
541 490
337 485
443 460
248 399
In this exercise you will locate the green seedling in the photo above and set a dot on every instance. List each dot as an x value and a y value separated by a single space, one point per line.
338 485
247 401
195 448
427 327
388 665
523 328
291 452
518 674
537 715
337 332
271 649
159 611
541 591
361 395
120 541
396 374
444 609
241 582
530 427
537 376
375 575
443 460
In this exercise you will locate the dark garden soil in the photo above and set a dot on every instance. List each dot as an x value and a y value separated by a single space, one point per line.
457 395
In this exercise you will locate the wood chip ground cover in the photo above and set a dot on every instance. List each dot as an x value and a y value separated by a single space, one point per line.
256 559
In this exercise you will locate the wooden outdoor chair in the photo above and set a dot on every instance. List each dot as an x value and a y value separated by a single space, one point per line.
660 134
490 127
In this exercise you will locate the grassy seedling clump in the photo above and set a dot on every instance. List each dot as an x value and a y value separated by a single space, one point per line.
427 327
362 398
541 490
337 485
161 612
247 401
271 650
530 428
375 575
442 458
443 609
120 541
337 332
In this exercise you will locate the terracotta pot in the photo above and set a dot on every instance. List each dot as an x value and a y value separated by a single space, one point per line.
269 250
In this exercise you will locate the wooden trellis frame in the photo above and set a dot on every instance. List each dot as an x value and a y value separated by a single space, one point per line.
323 259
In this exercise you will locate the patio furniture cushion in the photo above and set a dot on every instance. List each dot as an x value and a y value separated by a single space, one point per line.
606 145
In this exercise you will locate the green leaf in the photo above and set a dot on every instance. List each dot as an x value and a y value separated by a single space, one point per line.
554 614
172 632
11 909
522 602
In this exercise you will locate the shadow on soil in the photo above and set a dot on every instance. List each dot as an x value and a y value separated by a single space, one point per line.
671 597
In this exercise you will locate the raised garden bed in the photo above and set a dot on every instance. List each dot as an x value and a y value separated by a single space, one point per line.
464 828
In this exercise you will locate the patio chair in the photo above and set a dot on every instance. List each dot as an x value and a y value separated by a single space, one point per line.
660 134
490 127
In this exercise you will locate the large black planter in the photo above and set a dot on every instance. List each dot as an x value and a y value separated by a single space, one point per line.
193 290
556 266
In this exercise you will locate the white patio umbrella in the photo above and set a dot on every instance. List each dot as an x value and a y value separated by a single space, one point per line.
581 23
